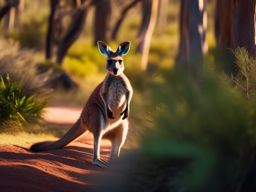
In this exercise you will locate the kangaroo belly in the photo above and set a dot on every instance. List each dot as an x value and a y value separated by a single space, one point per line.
116 97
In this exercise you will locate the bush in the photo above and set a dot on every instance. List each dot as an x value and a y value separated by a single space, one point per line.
83 59
210 110
23 91
31 34
22 67
80 68
208 122
15 105
32 27
245 80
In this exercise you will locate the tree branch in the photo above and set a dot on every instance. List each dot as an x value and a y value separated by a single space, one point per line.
7 7
74 30
122 17
49 36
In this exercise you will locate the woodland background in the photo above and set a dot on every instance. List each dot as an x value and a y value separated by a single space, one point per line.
192 65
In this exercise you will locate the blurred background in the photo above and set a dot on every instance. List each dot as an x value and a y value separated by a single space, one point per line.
192 65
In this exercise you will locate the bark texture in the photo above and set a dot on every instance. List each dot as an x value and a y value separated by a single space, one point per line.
147 31
74 30
192 29
102 18
49 36
244 25
121 18
234 27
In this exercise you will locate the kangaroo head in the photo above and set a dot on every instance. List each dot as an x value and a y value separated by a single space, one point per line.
115 63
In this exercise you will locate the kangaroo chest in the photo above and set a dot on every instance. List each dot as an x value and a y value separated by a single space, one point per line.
116 93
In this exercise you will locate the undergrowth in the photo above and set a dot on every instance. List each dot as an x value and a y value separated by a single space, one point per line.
23 92
245 79
15 105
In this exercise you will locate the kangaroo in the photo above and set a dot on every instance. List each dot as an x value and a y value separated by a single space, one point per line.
106 112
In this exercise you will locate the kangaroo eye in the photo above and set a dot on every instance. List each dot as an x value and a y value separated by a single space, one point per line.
120 61
109 62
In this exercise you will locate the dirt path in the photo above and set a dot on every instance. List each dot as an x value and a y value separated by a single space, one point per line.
68 169
61 115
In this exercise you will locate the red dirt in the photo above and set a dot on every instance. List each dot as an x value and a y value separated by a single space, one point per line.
61 115
63 170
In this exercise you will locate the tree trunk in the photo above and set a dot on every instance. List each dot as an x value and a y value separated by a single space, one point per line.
77 3
72 33
146 13
147 32
122 17
162 15
6 8
20 11
9 10
223 23
49 36
234 27
192 29
244 25
102 18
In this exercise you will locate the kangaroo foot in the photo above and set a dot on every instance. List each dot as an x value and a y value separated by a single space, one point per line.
100 163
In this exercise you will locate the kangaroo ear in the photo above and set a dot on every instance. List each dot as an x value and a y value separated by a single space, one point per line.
123 48
103 48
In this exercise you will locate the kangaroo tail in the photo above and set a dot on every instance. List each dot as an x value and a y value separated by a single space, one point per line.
75 131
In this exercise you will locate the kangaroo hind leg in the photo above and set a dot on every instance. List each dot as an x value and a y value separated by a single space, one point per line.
97 127
118 138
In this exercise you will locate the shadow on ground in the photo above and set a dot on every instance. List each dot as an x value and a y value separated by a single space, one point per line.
68 169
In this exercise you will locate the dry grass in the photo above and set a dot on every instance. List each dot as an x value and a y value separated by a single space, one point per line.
23 139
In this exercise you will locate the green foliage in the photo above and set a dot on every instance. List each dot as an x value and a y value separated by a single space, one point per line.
210 109
31 29
80 68
31 34
245 80
22 67
84 59
22 90
15 105
206 121
49 65
200 136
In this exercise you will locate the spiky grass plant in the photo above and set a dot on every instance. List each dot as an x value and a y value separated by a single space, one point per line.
23 91
15 104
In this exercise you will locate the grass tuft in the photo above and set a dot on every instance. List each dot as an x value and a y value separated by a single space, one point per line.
16 105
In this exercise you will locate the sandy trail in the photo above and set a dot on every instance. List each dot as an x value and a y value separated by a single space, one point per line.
61 115
68 169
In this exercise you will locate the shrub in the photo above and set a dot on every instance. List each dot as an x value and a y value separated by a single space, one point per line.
32 26
22 67
245 80
83 59
80 68
210 109
23 91
208 122
15 105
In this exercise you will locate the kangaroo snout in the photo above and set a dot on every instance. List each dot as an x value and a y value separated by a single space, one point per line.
115 70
